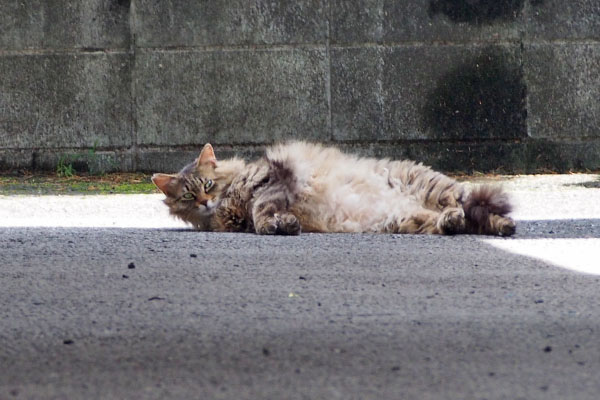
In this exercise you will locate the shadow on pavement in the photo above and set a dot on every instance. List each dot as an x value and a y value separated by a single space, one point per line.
155 314
558 229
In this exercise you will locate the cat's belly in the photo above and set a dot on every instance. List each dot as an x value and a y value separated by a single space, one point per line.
353 208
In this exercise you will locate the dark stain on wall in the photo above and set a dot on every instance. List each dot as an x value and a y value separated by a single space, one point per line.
482 99
477 11
124 3
119 5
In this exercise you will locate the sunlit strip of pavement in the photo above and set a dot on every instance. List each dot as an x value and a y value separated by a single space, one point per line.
560 198
89 211
569 207
580 255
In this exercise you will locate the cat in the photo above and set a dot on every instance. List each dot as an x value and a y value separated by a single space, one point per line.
304 187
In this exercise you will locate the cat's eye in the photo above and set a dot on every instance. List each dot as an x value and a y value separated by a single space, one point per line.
188 196
208 185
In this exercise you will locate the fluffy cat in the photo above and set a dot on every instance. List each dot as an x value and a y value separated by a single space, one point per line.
312 188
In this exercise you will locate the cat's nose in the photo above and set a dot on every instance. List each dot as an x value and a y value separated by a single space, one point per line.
204 202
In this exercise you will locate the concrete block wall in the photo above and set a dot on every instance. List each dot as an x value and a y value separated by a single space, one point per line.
140 85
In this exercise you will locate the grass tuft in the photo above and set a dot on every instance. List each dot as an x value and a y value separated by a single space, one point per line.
64 183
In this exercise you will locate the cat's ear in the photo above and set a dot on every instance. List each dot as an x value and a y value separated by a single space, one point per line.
164 182
207 156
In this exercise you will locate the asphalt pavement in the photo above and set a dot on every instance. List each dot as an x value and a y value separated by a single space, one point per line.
107 297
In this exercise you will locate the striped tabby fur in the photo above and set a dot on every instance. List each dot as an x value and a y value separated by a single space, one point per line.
308 187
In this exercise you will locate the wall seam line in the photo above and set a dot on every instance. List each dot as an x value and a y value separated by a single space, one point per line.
328 83
133 90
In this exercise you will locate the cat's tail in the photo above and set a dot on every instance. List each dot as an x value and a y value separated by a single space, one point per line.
486 209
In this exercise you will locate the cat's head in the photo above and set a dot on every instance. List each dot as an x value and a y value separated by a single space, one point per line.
193 193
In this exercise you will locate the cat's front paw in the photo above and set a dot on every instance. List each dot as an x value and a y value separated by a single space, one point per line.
289 224
279 224
230 217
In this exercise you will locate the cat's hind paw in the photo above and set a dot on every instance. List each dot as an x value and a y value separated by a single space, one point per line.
504 226
452 221
279 224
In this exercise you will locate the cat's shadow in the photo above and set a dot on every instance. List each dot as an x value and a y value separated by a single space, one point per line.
558 229
534 229
175 229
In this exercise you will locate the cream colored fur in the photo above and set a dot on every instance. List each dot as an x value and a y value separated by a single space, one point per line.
307 187
339 192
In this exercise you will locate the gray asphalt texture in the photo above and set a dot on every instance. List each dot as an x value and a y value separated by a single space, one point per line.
169 313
